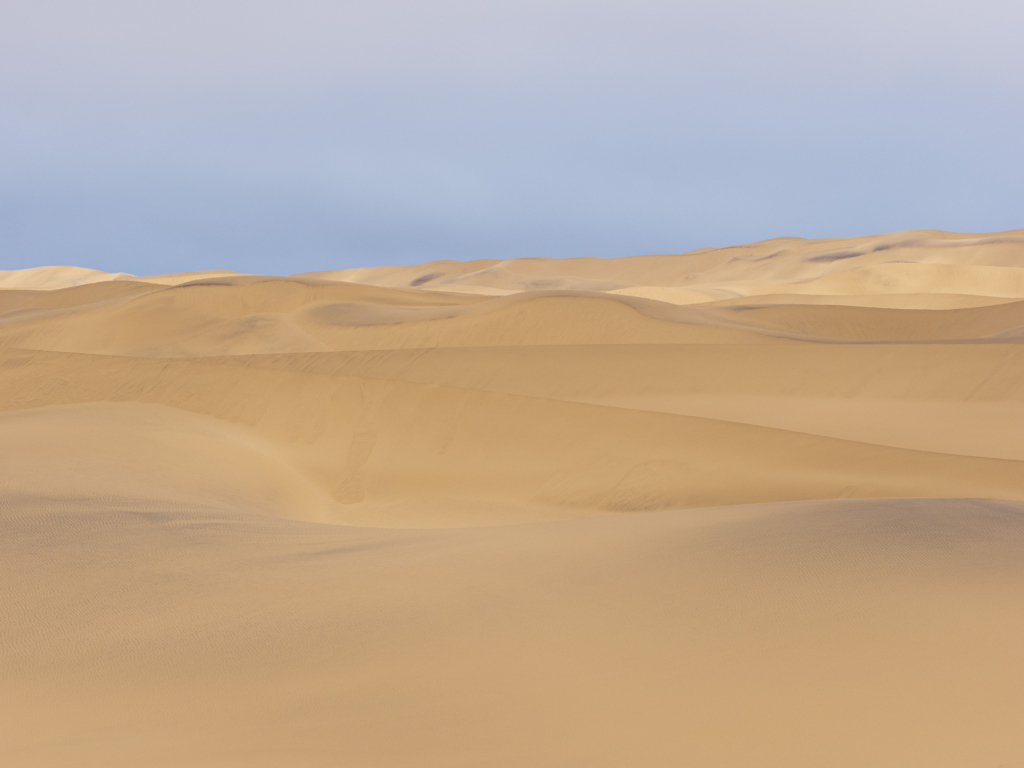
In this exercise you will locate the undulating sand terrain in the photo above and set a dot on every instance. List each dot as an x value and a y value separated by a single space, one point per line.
751 507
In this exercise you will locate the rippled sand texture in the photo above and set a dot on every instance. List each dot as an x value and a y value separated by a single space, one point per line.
754 506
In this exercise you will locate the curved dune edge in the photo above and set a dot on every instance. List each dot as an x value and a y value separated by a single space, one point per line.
150 452
378 451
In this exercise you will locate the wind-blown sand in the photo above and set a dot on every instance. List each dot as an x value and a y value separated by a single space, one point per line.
754 506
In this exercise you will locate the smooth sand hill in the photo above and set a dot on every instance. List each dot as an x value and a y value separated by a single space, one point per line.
755 506
48 278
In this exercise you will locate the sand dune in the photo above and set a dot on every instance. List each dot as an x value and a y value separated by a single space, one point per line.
824 633
49 278
761 267
749 506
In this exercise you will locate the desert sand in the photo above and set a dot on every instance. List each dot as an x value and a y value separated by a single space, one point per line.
754 506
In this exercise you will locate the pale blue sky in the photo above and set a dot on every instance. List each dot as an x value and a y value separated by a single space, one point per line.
272 136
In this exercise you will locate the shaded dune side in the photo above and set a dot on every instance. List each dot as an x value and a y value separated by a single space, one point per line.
991 373
384 450
963 399
112 452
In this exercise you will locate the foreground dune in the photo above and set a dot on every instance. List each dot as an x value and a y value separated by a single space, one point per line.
754 506
843 633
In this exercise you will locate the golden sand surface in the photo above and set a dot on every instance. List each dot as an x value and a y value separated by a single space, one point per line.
754 506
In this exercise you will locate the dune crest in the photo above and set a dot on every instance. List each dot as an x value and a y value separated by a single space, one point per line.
879 264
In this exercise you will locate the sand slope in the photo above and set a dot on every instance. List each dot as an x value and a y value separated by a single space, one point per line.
825 633
751 506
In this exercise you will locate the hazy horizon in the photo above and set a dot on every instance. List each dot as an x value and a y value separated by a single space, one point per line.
313 136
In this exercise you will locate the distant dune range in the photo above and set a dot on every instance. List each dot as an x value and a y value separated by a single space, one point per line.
749 506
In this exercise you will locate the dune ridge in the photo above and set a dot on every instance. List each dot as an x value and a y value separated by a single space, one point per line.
750 506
